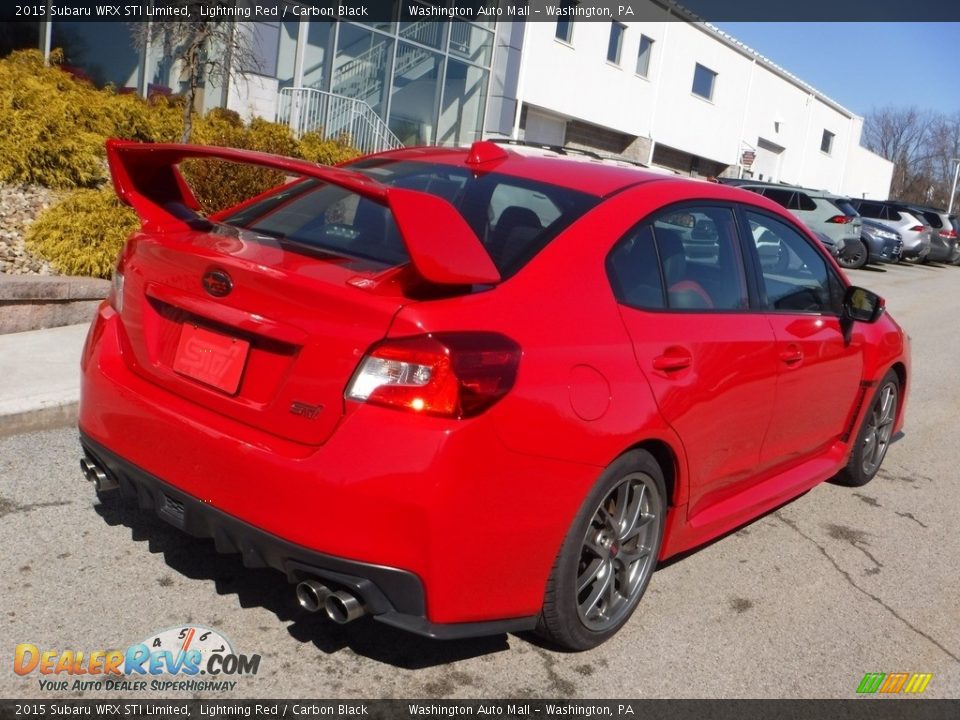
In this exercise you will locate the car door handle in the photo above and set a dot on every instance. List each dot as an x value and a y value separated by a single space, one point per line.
673 359
791 354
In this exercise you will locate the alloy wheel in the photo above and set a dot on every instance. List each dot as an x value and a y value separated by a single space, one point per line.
879 428
617 553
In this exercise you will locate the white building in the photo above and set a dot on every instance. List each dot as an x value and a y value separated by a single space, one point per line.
680 95
668 91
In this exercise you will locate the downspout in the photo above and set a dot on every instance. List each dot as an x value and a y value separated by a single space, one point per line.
743 125
656 88
806 140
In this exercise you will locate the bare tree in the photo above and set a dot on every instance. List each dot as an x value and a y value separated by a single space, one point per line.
209 45
901 135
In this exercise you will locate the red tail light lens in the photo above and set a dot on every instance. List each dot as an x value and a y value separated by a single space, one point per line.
448 374
917 228
948 234
841 219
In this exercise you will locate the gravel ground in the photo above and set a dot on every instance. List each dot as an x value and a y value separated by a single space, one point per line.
800 603
19 205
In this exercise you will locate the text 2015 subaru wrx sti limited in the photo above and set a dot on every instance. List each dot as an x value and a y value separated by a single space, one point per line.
476 391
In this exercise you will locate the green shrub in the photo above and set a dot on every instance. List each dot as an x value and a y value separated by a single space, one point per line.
83 234
217 184
54 127
315 148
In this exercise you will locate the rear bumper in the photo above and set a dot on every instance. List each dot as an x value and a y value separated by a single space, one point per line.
476 524
393 596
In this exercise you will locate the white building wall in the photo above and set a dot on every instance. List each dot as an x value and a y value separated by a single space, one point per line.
576 81
867 175
754 103
709 128
253 96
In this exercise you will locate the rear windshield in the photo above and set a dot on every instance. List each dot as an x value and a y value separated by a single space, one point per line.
514 218
844 205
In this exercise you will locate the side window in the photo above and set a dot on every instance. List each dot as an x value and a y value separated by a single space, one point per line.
780 197
802 201
516 217
685 259
796 277
700 259
634 271
871 210
893 215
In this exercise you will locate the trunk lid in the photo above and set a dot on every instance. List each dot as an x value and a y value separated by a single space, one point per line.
306 322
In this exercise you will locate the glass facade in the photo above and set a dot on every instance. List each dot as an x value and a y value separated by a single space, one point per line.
427 79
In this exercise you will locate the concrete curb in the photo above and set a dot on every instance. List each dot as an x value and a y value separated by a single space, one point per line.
31 302
40 378
45 418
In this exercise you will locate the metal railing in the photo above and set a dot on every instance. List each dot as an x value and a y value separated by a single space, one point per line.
332 115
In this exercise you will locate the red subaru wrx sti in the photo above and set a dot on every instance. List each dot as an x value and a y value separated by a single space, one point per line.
476 391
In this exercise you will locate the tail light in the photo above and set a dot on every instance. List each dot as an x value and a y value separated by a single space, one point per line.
948 234
115 297
448 374
842 219
917 228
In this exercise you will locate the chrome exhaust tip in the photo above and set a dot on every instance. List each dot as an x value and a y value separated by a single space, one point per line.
342 607
97 475
312 594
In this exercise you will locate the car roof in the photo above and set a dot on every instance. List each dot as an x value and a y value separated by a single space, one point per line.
592 175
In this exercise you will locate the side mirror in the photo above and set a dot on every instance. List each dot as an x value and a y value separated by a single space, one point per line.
862 305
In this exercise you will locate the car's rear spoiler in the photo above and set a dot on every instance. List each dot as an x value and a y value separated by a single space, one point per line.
443 248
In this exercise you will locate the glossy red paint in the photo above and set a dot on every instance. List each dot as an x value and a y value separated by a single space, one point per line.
442 247
745 409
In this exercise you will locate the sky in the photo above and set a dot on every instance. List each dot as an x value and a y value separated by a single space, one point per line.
865 65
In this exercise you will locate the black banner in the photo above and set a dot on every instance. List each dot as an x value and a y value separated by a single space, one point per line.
479 10
856 709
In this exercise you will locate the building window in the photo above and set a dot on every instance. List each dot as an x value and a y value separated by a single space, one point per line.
643 55
616 42
826 143
564 31
703 81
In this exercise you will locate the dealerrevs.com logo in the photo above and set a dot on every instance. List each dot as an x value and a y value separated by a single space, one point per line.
187 658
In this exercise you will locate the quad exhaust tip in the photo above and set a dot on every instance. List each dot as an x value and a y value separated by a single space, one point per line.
312 594
340 606
97 475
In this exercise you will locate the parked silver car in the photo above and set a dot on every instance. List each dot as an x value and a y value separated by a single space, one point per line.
943 239
821 211
914 229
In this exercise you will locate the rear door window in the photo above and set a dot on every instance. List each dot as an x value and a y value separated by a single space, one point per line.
781 197
686 259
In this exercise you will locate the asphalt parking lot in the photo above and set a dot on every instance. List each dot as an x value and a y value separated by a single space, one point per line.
800 603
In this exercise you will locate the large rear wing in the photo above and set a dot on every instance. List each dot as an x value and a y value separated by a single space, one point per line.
443 249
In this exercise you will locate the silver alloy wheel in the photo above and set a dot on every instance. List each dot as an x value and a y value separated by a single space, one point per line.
616 556
879 428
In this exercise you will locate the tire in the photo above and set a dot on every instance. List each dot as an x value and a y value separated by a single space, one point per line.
612 546
874 436
858 260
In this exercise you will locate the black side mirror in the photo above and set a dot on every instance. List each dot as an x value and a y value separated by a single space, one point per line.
862 305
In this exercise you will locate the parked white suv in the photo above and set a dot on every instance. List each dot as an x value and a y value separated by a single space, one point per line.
821 211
